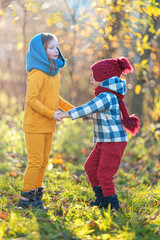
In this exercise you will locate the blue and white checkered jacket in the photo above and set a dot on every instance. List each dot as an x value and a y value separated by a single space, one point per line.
105 112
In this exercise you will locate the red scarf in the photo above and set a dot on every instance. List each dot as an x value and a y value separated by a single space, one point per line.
131 123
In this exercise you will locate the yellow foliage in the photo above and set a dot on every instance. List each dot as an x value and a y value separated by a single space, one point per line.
108 18
139 9
130 30
100 54
108 29
84 33
53 19
138 43
115 44
110 37
95 25
76 27
48 22
117 8
137 66
127 37
144 62
133 19
156 70
135 26
58 160
139 35
89 51
20 45
105 46
2 12
145 38
128 45
138 89
157 33
101 31
151 29
14 21
146 46
142 51
33 7
4 100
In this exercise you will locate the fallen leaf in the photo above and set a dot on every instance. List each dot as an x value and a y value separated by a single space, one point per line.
13 174
3 215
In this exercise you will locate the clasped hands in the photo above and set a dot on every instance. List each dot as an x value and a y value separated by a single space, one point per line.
59 115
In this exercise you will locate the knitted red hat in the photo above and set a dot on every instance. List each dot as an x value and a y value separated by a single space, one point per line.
110 67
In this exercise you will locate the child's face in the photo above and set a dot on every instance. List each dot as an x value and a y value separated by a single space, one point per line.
52 49
94 84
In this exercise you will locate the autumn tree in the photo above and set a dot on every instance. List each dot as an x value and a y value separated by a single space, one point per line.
87 31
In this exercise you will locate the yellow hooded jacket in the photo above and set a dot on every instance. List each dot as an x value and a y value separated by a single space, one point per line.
42 101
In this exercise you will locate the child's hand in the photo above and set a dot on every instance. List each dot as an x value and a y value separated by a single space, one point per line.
64 115
56 116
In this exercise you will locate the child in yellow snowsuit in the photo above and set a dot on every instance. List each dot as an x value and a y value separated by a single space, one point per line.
44 59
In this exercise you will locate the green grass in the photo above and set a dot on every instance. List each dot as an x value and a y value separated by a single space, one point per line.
68 192
67 195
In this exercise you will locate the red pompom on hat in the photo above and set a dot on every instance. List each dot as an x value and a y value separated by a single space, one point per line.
109 68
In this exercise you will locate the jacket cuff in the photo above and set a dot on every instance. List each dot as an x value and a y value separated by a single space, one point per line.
49 113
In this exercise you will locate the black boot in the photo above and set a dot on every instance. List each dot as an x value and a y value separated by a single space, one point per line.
27 199
113 200
39 195
99 197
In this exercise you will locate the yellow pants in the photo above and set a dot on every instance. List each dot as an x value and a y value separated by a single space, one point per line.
38 149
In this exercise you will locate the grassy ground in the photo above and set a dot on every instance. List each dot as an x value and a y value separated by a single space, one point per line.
68 192
67 195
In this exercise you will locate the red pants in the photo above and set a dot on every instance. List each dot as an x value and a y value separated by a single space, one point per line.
102 165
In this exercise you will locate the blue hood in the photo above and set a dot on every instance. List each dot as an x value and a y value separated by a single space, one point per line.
115 84
37 57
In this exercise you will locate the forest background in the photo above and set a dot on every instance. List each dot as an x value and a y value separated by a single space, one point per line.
87 31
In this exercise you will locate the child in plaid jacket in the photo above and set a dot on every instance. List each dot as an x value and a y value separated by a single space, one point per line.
109 127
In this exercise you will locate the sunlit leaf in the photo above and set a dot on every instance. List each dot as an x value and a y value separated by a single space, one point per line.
48 22
127 45
127 36
146 46
144 62
152 29
145 38
32 6
14 21
101 31
20 46
139 35
95 25
143 22
135 26
2 12
58 160
156 70
142 51
138 43
138 89
110 37
133 19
